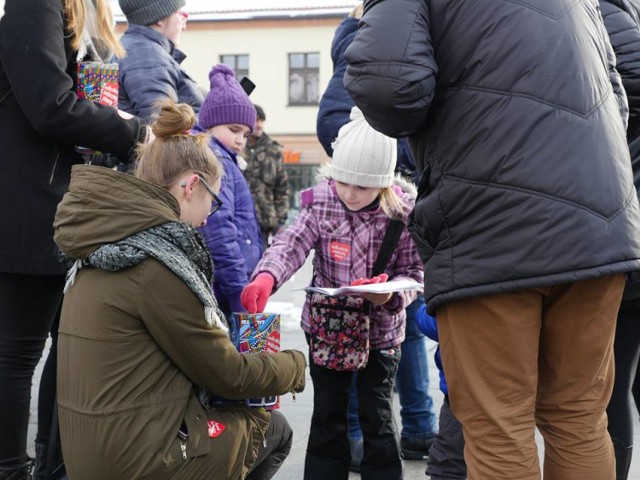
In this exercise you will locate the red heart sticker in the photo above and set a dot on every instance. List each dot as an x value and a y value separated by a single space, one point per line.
339 251
215 428
109 94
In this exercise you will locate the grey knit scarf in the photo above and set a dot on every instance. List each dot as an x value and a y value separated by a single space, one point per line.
177 245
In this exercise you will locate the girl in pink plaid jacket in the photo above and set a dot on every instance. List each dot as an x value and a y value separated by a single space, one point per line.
344 219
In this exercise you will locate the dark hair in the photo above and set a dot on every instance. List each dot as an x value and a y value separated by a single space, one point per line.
260 112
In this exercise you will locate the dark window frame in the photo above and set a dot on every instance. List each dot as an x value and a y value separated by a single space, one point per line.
309 94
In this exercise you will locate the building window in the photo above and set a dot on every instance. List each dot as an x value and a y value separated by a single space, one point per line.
304 78
239 63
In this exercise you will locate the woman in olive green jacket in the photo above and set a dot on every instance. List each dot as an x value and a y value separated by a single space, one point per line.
140 332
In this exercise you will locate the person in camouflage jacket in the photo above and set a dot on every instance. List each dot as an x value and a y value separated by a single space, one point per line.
267 179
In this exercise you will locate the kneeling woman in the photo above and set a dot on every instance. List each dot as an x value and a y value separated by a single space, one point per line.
140 331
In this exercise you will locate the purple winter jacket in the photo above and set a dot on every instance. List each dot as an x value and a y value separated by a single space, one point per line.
346 245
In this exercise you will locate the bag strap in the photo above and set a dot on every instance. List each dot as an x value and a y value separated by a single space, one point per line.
389 244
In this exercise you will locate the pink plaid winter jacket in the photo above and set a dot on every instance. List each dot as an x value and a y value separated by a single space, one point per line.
346 245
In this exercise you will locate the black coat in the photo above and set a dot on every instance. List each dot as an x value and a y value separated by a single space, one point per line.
622 20
512 116
40 122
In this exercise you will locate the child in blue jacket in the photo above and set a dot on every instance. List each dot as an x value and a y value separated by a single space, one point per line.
446 456
233 234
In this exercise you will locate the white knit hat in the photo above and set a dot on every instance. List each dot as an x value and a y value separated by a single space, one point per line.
363 156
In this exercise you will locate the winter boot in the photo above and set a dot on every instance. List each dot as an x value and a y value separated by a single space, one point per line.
623 459
40 464
17 472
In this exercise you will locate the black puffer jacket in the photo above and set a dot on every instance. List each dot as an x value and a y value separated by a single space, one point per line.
40 122
513 118
622 20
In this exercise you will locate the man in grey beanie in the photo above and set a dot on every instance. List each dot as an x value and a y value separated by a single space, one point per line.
151 70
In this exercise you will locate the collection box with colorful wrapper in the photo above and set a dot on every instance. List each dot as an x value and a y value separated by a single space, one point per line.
258 332
97 82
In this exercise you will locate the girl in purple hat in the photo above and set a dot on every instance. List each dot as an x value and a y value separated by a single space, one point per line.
233 234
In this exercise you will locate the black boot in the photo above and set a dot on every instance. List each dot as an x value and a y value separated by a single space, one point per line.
623 459
17 472
40 463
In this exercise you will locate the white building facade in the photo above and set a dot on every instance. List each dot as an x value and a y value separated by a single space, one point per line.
283 46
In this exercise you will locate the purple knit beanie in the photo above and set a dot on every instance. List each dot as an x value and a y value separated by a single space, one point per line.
226 102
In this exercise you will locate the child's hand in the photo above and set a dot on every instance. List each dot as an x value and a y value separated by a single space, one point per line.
378 298
254 296
383 277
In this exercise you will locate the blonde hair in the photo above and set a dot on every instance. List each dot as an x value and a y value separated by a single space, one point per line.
76 12
392 205
175 151
357 11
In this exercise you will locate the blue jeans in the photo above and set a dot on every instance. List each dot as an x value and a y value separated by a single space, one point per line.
412 380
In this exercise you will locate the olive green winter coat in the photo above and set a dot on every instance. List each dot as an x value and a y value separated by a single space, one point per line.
134 345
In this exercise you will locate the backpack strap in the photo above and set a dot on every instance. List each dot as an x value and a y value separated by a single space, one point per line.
389 244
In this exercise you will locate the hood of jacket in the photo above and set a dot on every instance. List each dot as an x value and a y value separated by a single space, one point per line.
103 206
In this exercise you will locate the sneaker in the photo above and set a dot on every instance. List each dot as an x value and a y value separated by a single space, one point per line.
416 448
356 445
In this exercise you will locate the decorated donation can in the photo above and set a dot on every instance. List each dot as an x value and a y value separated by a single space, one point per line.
257 332
97 82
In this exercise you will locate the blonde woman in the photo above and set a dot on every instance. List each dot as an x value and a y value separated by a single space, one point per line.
140 330
42 121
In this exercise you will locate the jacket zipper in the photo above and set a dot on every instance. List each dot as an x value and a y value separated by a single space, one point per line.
55 164
183 448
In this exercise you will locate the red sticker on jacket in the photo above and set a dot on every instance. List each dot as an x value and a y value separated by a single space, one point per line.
339 251
215 428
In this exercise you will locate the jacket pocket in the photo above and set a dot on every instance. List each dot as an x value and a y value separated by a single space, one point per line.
425 224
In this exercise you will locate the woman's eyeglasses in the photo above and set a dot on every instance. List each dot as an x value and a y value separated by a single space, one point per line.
217 203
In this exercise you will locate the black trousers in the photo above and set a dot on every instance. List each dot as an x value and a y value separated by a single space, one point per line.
29 312
446 456
626 350
328 453
278 440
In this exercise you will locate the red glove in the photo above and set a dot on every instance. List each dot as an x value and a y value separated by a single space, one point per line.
254 295
383 277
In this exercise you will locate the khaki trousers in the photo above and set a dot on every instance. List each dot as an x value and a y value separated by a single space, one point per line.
537 357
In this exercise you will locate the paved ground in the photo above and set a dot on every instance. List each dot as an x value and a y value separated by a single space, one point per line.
289 302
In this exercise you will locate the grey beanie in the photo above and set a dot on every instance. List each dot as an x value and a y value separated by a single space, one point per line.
148 12
363 156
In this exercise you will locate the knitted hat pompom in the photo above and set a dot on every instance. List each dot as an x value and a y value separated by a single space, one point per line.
226 103
222 69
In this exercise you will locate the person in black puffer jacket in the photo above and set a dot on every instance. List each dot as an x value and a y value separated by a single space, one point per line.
622 20
526 219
